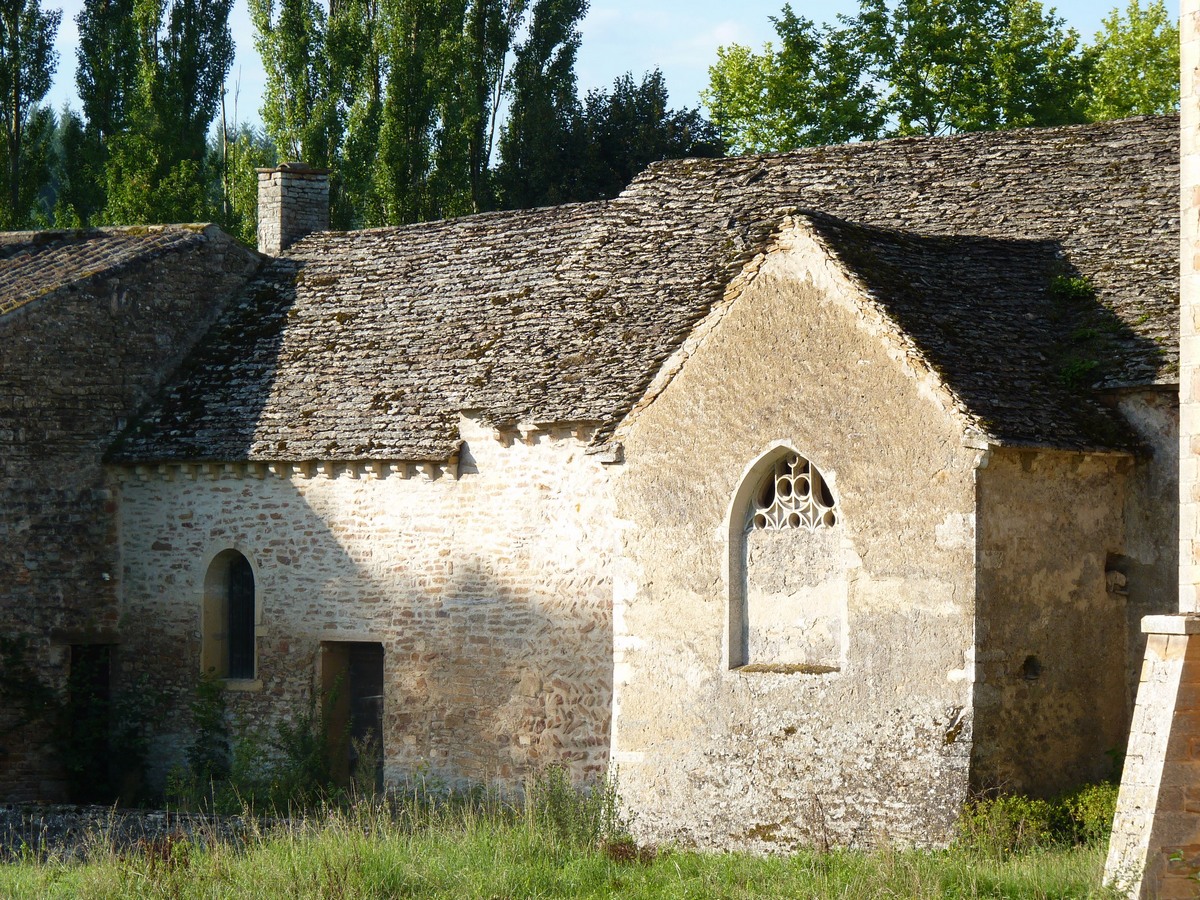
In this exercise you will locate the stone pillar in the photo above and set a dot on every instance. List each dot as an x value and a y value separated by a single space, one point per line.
293 200
1189 305
1155 848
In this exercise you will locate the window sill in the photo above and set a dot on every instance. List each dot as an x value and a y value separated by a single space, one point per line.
244 685
785 669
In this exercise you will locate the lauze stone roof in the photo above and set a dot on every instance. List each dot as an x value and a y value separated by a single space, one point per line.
36 263
370 344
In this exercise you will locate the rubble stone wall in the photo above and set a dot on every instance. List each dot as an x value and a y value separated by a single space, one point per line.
1052 705
76 366
490 593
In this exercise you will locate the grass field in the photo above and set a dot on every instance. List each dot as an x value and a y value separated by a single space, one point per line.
558 848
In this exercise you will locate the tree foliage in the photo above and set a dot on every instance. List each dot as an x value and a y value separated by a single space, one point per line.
538 145
300 109
970 65
938 67
107 65
27 63
1137 64
813 90
624 130
150 76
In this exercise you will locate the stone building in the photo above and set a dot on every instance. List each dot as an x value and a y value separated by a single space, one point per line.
812 490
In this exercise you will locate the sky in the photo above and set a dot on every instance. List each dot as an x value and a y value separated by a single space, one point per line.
680 37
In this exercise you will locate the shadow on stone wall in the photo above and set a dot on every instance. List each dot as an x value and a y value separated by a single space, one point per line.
497 659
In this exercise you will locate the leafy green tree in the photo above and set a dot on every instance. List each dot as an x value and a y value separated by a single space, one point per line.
400 175
107 65
631 126
106 76
1038 72
812 90
353 45
245 149
1137 64
444 65
300 108
27 64
77 180
539 147
156 169
967 65
477 50
903 67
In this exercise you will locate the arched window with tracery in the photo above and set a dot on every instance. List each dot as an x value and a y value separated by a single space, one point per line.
793 495
789 587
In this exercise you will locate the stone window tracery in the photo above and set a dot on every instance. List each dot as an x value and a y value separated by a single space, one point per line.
792 495
789 587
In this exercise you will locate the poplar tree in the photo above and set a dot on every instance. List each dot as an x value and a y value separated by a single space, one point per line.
300 106
27 64
106 73
400 175
355 47
106 77
539 144
479 46
156 170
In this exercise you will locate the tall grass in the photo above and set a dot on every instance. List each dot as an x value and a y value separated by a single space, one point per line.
556 843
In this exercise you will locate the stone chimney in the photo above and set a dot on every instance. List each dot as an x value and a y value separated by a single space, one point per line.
293 200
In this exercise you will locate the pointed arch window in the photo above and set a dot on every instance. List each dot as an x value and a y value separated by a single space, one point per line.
793 495
789 585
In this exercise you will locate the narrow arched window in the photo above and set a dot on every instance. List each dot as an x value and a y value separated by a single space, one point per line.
230 615
789 588
240 612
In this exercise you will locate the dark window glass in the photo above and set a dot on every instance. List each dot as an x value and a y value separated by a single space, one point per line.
241 618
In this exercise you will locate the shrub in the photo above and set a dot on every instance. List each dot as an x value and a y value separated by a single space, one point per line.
1010 823
1007 824
1091 809
287 770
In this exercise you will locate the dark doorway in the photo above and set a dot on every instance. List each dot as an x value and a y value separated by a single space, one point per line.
352 679
88 725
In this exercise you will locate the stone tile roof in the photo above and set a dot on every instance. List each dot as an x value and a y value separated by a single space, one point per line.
36 263
1107 193
1018 353
369 344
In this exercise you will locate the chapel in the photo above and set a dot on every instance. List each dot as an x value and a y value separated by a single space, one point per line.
807 492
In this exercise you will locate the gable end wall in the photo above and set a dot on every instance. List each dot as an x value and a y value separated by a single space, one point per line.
878 751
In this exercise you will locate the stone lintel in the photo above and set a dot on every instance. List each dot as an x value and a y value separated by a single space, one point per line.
1178 623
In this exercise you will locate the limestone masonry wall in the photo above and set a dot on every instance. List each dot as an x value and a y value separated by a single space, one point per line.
1155 845
1149 561
1052 703
490 594
76 365
766 759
